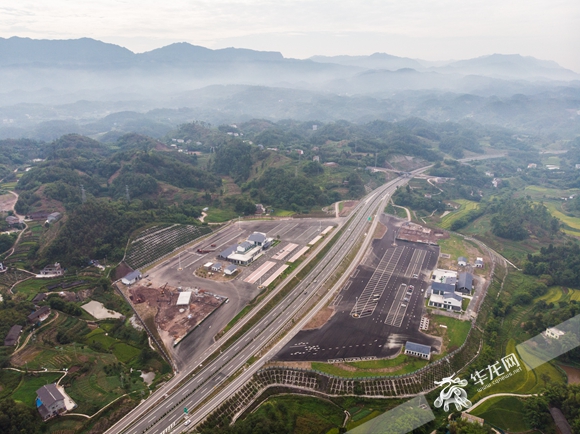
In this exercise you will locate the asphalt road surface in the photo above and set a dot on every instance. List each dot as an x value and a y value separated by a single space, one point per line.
179 271
375 314
195 391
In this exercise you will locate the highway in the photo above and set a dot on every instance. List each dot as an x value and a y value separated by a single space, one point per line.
168 415
235 357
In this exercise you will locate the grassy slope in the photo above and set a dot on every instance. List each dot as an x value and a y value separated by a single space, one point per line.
465 207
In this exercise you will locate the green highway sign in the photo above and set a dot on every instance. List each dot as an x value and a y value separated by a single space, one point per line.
185 410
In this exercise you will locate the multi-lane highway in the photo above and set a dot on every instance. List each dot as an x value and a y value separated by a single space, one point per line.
200 387
204 387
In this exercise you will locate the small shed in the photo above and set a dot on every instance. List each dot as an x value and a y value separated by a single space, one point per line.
132 277
53 217
41 296
216 267
207 265
230 269
183 298
39 315
12 337
418 350
479 263
462 261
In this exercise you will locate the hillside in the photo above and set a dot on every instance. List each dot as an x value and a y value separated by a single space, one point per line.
107 190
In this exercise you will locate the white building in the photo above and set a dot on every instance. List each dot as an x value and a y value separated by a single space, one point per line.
230 269
462 261
131 278
478 263
448 301
554 333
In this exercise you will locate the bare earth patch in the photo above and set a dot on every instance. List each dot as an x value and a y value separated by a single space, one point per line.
7 202
380 231
347 207
320 318
99 311
572 373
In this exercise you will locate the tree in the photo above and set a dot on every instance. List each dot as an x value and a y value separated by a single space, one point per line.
16 418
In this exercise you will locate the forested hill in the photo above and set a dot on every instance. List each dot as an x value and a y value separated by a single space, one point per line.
107 190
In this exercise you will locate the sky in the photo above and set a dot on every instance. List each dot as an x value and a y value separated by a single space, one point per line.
425 29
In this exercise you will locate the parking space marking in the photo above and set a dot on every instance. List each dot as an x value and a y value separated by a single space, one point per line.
373 290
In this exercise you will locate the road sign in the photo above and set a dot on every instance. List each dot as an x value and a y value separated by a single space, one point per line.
370 218
185 410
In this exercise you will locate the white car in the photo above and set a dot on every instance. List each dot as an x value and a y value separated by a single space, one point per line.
187 422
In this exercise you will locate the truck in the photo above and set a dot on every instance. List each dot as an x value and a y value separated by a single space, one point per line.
205 250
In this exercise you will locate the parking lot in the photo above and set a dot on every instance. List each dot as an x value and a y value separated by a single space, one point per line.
178 271
379 308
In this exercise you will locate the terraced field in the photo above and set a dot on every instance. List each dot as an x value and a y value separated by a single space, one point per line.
156 242
465 207
27 241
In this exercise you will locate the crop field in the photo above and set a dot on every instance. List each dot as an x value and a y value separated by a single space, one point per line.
9 278
28 240
99 335
9 381
572 224
215 215
538 193
26 391
466 206
155 242
125 352
505 413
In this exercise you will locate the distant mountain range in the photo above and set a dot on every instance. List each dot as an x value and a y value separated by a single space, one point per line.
51 83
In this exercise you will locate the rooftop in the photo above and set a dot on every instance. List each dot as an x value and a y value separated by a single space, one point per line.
49 394
419 348
12 336
133 275
465 280
257 237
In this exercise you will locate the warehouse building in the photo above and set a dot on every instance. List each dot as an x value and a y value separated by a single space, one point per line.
418 350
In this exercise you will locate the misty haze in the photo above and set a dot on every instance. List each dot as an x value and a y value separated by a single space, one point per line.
289 217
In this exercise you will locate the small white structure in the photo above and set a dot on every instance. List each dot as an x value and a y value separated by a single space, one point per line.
444 276
52 270
207 265
532 166
462 261
478 263
448 301
183 298
230 269
53 217
554 333
131 278
216 267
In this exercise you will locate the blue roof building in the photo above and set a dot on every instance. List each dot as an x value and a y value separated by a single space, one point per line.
418 350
